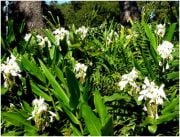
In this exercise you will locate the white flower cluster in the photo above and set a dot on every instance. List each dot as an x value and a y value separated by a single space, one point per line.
153 94
112 35
82 31
165 49
129 79
40 39
27 37
80 70
160 30
59 34
41 115
10 68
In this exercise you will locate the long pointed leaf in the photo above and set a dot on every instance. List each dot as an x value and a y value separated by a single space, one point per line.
16 119
32 68
100 107
39 92
92 122
58 91
151 36
170 32
73 88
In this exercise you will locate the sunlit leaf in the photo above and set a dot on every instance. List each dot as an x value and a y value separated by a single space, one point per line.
92 122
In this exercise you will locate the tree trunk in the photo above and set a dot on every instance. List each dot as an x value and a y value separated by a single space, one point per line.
129 9
32 12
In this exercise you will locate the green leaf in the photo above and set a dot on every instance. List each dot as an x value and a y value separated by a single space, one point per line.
146 62
148 120
3 90
50 36
17 119
32 68
170 32
92 122
152 128
26 106
13 133
73 88
52 51
58 91
171 106
100 107
39 92
107 128
11 36
73 118
173 76
116 96
60 74
154 56
76 45
151 36
75 131
167 117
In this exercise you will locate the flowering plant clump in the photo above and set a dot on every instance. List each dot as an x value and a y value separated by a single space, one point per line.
160 30
10 69
41 115
153 95
41 41
129 79
80 70
105 81
82 31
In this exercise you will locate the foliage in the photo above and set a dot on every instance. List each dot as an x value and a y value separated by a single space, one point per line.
91 104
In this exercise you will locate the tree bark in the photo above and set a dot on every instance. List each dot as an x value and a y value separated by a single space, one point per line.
32 11
129 9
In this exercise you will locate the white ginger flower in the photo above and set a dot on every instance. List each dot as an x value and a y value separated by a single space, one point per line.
52 115
80 70
10 68
48 42
129 78
27 37
41 41
82 31
60 34
160 30
152 92
39 107
40 114
165 49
